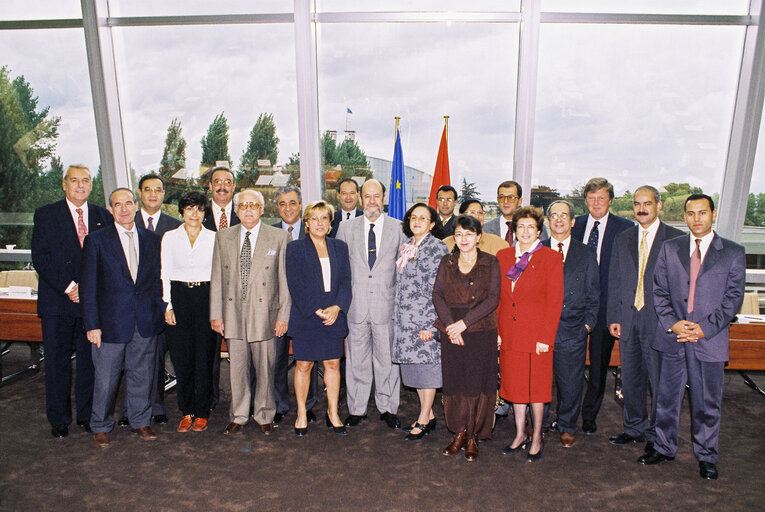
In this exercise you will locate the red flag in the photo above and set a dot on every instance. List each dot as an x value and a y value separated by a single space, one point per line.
441 174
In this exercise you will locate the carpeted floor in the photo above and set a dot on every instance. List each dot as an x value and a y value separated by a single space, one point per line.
372 468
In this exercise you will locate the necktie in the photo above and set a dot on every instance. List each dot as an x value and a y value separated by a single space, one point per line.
594 236
642 259
372 246
245 261
82 229
151 223
695 267
509 234
347 215
132 256
290 230
560 250
223 224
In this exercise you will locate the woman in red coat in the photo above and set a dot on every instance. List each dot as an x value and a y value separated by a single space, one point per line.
529 309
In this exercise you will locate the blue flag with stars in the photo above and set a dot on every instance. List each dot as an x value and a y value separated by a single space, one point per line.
397 196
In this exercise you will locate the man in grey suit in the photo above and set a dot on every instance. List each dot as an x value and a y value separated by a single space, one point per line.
698 289
581 300
250 306
509 199
373 243
631 316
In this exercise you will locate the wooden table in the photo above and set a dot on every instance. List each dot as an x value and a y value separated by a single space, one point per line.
19 323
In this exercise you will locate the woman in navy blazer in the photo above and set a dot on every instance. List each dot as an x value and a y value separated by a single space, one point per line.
319 280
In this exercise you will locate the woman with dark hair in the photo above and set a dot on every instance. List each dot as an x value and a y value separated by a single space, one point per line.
465 295
319 280
186 266
414 348
529 311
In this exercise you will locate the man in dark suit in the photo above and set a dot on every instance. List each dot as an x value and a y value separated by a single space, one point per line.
289 201
581 296
151 191
348 192
698 289
220 215
631 315
446 199
598 230
509 199
123 313
59 231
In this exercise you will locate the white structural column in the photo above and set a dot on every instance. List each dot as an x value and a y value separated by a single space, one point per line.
526 96
745 129
103 86
308 101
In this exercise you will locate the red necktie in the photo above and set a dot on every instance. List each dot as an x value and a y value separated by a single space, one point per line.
82 229
695 267
560 250
151 223
509 234
223 224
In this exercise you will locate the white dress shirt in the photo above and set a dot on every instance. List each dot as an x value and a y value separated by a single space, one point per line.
296 227
503 228
145 216
378 229
217 211
183 262
601 231
125 241
253 237
652 230
347 215
566 244
75 218
706 241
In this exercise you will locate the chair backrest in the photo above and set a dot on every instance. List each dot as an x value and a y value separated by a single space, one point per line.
751 305
18 278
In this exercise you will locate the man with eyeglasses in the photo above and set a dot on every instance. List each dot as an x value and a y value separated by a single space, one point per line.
598 229
488 242
509 199
250 306
446 197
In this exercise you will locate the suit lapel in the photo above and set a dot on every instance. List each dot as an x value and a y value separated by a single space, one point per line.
633 247
114 246
261 246
684 254
362 245
712 255
67 223
144 256
94 221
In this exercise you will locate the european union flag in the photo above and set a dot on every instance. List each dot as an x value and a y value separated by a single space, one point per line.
397 195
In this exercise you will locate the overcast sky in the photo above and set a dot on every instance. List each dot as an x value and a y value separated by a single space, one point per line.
636 104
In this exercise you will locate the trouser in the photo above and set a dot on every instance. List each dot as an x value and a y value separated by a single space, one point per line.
369 359
568 367
260 355
639 364
601 345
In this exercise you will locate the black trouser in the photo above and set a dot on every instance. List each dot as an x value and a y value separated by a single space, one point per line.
192 347
639 373
601 345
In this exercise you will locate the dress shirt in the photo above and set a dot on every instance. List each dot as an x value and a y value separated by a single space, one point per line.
182 262
601 231
253 237
706 241
566 244
503 228
652 230
296 228
125 241
145 215
378 229
444 220
344 215
217 211
75 218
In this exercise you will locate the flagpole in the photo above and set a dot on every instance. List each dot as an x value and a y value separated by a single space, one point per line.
395 132
446 125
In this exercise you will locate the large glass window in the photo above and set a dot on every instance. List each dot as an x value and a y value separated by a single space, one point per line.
191 7
40 9
421 5
753 235
649 6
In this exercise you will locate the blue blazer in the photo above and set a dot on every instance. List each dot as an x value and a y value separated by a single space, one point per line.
306 286
336 221
615 226
57 255
111 301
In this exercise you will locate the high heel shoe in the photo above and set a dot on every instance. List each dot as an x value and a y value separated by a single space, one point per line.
424 430
536 456
509 450
300 432
431 426
341 431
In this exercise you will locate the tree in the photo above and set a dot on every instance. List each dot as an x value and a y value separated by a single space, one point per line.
263 144
215 143
349 153
468 191
173 160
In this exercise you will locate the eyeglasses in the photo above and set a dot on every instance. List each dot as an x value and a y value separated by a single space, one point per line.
220 181
562 216
445 200
503 198
249 205
420 218
317 220
194 209
465 235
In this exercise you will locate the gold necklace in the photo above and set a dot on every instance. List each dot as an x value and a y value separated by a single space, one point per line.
468 261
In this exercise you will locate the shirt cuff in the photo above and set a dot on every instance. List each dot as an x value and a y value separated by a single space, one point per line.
70 287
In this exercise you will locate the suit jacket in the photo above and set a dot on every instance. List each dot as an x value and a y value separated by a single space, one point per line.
57 255
164 224
267 299
337 219
581 291
615 226
492 226
448 228
111 301
301 235
209 221
373 289
719 294
306 284
623 278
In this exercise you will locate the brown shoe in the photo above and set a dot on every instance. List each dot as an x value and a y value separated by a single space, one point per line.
101 439
185 424
567 440
232 428
267 428
471 450
145 433
200 425
457 443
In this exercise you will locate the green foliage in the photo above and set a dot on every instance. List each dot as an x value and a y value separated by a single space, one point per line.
755 210
215 143
173 160
468 191
263 143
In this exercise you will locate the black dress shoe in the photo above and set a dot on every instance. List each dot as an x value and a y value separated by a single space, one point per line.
649 446
159 419
509 450
60 431
554 426
423 431
653 457
708 470
85 426
354 419
625 438
589 427
390 419
124 422
311 416
536 456
278 417
300 432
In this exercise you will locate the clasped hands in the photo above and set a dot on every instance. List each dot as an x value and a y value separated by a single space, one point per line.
328 315
687 331
455 330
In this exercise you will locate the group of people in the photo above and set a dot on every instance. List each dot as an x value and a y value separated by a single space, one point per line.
438 300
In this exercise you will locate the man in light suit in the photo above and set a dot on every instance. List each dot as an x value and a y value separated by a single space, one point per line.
373 243
250 306
348 192
698 289
631 315
598 229
509 199
59 231
581 296
289 202
123 313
